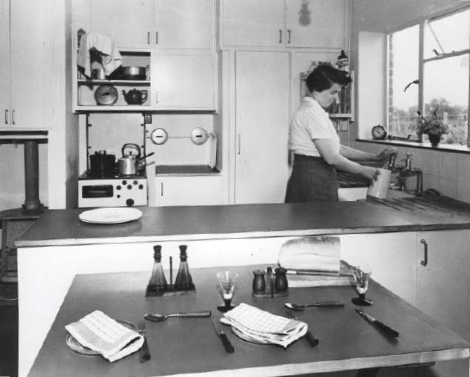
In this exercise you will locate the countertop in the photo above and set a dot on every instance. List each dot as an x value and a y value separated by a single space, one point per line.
158 224
190 346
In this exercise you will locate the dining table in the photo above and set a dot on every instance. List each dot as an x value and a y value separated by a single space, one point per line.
191 347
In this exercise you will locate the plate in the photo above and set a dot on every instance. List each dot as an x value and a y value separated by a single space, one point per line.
76 347
248 338
110 215
106 95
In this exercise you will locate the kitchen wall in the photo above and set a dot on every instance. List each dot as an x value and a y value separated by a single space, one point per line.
446 171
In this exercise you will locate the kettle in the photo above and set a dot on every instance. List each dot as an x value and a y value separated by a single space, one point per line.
128 162
135 97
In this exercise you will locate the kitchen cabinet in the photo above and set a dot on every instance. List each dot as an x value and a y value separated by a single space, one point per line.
437 283
187 190
183 81
262 126
391 257
442 288
27 78
176 40
284 23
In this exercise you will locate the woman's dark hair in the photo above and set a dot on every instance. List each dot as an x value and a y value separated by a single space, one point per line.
324 76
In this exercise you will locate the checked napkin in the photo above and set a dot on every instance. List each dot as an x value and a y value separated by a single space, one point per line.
259 326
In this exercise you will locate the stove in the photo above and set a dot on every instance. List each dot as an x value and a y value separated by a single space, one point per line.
112 190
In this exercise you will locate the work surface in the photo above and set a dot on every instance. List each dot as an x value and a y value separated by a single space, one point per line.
63 227
190 345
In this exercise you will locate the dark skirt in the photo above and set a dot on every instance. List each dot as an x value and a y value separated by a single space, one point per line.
312 180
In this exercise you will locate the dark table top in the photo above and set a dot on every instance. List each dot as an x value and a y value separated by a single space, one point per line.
190 345
185 223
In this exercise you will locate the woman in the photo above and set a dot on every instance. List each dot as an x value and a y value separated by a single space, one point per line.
316 146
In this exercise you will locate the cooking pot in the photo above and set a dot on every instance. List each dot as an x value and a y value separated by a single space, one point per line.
102 165
129 73
135 97
128 162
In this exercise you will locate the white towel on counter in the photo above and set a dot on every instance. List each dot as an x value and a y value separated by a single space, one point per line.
110 56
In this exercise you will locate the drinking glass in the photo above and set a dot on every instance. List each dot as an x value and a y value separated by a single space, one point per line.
227 281
362 277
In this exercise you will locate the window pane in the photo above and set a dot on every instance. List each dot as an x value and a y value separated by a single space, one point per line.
403 62
446 87
446 35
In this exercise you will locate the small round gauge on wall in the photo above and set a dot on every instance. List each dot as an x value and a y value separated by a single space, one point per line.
199 136
159 136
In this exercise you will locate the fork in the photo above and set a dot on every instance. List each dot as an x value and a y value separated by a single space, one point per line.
312 339
144 350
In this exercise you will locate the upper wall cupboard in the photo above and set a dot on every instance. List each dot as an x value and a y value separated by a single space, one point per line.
284 23
174 39
27 77
182 24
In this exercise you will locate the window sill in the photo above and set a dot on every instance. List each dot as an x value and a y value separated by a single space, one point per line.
416 144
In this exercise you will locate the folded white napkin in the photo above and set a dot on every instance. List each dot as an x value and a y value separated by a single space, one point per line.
102 334
110 56
259 326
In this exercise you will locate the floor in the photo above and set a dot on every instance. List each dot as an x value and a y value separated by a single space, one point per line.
8 330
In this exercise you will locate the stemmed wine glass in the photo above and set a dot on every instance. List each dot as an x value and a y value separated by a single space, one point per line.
362 277
227 281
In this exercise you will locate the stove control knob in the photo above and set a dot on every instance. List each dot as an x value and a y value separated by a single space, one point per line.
130 202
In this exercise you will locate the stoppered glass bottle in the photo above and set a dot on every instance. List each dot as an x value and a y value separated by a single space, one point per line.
158 281
183 280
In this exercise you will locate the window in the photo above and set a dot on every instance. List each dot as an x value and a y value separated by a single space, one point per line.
435 79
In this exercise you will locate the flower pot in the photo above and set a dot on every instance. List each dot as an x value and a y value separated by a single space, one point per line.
434 139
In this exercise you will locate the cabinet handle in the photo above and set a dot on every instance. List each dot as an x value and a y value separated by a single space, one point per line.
425 261
156 37
156 97
13 117
148 37
288 36
280 36
239 148
161 188
6 116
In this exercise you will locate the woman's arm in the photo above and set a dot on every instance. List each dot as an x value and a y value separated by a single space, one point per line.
358 155
331 157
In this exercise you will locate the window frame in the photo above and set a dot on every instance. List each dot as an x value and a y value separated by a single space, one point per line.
421 61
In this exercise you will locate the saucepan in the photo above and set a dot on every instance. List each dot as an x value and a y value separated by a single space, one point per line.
130 73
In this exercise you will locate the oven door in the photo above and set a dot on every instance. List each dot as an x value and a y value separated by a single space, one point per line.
112 193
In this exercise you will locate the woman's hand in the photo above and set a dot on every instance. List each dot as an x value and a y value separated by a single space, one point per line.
370 173
386 153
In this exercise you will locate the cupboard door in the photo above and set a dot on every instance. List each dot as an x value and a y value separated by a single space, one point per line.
5 64
315 23
252 23
184 81
129 22
32 72
391 256
184 24
443 287
185 191
262 126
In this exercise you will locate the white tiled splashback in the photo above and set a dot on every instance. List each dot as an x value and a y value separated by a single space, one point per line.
444 171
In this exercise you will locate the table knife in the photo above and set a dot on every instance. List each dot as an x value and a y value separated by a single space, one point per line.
221 334
388 330
144 350
311 339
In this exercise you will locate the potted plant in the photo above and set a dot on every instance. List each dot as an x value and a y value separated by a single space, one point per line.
433 127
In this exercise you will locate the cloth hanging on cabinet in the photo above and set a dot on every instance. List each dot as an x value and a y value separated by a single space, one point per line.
105 46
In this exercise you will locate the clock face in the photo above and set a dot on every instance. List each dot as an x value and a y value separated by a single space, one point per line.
378 132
